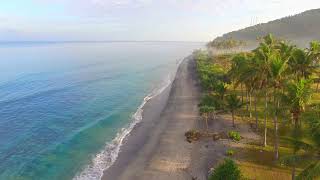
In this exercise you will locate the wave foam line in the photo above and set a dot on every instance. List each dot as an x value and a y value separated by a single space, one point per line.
109 154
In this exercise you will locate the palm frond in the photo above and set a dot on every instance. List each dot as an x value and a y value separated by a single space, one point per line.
293 160
299 143
311 172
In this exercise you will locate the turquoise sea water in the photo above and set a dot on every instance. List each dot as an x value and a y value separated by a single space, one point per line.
65 107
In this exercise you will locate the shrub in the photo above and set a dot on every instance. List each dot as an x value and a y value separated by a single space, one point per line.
228 170
230 152
192 135
234 136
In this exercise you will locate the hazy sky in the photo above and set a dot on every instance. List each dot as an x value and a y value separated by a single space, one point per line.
176 20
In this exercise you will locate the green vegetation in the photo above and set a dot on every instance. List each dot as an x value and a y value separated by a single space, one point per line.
205 111
233 104
230 152
228 170
270 87
234 136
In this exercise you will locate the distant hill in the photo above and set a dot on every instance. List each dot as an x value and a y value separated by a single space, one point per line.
300 29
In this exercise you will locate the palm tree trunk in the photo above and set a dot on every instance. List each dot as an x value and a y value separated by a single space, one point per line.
296 119
276 146
300 122
206 119
241 93
265 119
276 142
293 174
255 110
233 123
247 99
250 105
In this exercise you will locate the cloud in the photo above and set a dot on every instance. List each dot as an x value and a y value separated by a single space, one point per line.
145 19
104 7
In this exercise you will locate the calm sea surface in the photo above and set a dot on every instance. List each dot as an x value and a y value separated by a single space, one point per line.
65 107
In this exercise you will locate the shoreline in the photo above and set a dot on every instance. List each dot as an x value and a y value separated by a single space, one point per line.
140 148
110 153
156 149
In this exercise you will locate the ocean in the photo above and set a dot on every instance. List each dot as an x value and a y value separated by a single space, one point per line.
65 108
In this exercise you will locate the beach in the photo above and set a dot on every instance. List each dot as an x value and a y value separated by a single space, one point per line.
157 149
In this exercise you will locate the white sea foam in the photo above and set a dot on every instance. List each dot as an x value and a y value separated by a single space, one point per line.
104 159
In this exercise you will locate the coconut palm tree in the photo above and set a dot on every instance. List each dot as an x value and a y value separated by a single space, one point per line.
313 170
232 105
220 89
277 71
205 111
297 144
238 67
311 151
249 76
285 49
297 97
251 81
213 101
262 59
314 51
301 64
314 54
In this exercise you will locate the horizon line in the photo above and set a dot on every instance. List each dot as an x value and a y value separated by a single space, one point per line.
93 41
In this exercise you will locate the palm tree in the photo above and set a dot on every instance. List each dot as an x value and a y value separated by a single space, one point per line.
298 144
232 105
205 111
239 63
302 64
314 51
314 55
212 101
313 170
250 76
277 71
311 151
251 79
262 59
243 72
220 89
297 97
285 49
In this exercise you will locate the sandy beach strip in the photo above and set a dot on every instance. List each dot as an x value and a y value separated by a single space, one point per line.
156 148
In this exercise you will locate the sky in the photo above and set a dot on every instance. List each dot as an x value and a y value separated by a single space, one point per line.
137 20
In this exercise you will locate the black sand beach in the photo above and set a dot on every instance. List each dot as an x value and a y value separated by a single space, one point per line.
157 149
